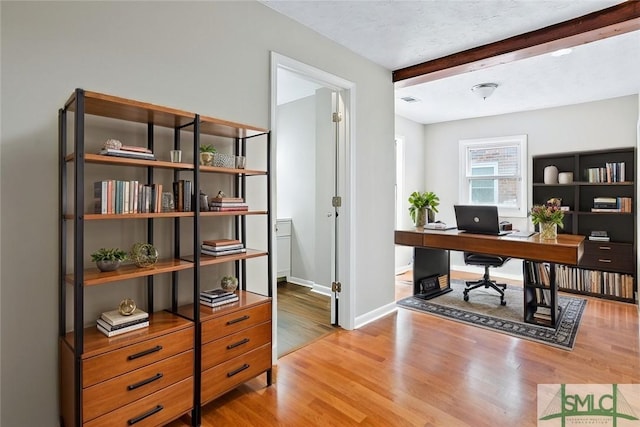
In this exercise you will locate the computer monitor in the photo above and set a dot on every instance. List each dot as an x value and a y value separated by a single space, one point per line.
479 219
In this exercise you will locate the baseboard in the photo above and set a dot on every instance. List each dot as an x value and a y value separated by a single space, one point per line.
315 287
375 314
404 269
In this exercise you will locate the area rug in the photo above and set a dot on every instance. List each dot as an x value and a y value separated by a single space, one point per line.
484 310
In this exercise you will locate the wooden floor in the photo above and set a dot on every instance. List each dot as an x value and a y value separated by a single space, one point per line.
303 317
413 369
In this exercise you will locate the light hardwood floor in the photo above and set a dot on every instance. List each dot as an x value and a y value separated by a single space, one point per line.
412 369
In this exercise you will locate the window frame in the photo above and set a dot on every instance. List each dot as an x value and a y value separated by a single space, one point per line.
464 187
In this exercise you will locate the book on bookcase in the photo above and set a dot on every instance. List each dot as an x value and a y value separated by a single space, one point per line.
114 317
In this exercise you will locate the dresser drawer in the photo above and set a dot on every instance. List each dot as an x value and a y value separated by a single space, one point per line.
154 410
111 394
226 348
222 378
224 325
608 256
126 359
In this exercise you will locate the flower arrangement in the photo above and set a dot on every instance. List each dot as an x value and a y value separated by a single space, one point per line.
549 212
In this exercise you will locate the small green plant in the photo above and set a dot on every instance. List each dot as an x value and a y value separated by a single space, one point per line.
111 254
417 201
207 148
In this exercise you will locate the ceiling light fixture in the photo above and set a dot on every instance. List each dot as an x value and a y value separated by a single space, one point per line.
484 90
561 52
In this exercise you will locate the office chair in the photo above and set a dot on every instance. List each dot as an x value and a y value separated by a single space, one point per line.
486 261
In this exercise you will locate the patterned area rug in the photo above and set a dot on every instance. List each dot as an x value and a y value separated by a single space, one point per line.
484 310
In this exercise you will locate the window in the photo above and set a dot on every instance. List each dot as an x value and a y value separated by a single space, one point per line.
493 171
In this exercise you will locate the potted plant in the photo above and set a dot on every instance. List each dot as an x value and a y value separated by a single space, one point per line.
421 205
548 217
108 259
206 154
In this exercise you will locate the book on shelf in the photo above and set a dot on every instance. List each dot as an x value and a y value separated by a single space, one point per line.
599 235
110 327
136 149
229 208
222 248
219 303
223 253
130 328
126 197
216 293
128 154
113 317
232 296
227 200
221 242
610 172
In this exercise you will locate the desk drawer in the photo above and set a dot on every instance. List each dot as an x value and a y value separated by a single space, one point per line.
234 322
124 389
156 409
608 256
220 350
126 359
222 378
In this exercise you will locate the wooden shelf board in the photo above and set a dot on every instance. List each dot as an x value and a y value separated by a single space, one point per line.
211 260
582 183
93 276
232 213
102 217
160 323
125 161
231 171
219 127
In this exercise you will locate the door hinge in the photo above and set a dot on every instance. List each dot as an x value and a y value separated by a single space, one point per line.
336 287
337 117
336 201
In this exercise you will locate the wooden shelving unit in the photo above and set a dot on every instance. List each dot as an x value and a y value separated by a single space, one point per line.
94 369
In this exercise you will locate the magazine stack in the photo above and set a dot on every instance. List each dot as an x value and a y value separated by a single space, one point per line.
221 247
217 297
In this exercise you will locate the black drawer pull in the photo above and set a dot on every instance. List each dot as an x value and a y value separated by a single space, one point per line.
604 260
239 319
237 371
237 344
144 353
145 382
605 248
139 418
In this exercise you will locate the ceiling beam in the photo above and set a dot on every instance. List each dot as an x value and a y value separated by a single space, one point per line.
613 21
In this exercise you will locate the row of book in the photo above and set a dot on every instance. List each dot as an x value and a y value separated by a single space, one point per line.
542 314
611 172
217 297
228 204
221 247
538 273
612 204
124 197
594 281
130 152
130 197
112 323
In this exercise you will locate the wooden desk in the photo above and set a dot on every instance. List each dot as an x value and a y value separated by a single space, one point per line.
431 259
566 249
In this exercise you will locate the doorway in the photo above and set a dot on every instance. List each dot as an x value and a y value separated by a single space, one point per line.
311 153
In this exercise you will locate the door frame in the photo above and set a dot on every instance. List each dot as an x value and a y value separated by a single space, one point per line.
346 181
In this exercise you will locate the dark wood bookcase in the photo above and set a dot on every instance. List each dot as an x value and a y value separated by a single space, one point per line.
607 269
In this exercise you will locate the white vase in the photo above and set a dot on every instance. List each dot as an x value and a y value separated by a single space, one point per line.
551 175
565 177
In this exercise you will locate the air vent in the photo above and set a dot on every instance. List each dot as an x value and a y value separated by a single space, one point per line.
410 99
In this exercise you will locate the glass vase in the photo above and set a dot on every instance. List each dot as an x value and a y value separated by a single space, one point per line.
548 230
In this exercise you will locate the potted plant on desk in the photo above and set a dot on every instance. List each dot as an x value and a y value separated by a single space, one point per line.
548 217
423 205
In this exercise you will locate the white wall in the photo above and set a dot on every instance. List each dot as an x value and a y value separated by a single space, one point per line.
207 57
590 126
413 177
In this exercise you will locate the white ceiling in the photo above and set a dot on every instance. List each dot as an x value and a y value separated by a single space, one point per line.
396 34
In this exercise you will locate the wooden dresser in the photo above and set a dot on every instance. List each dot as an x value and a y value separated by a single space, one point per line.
142 378
236 344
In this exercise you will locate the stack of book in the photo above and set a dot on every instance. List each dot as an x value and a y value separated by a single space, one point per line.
599 236
542 313
612 204
217 297
112 323
129 151
221 247
228 204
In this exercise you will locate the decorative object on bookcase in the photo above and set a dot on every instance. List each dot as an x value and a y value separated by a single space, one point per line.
548 217
175 156
204 201
112 143
108 259
144 254
222 160
206 154
551 175
167 203
240 162
127 307
229 283
565 177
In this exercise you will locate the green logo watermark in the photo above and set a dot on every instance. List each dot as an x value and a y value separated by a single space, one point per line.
616 405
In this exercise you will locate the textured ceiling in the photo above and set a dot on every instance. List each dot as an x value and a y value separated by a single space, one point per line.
396 34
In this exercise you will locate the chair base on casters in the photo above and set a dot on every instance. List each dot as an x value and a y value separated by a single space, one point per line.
487 283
